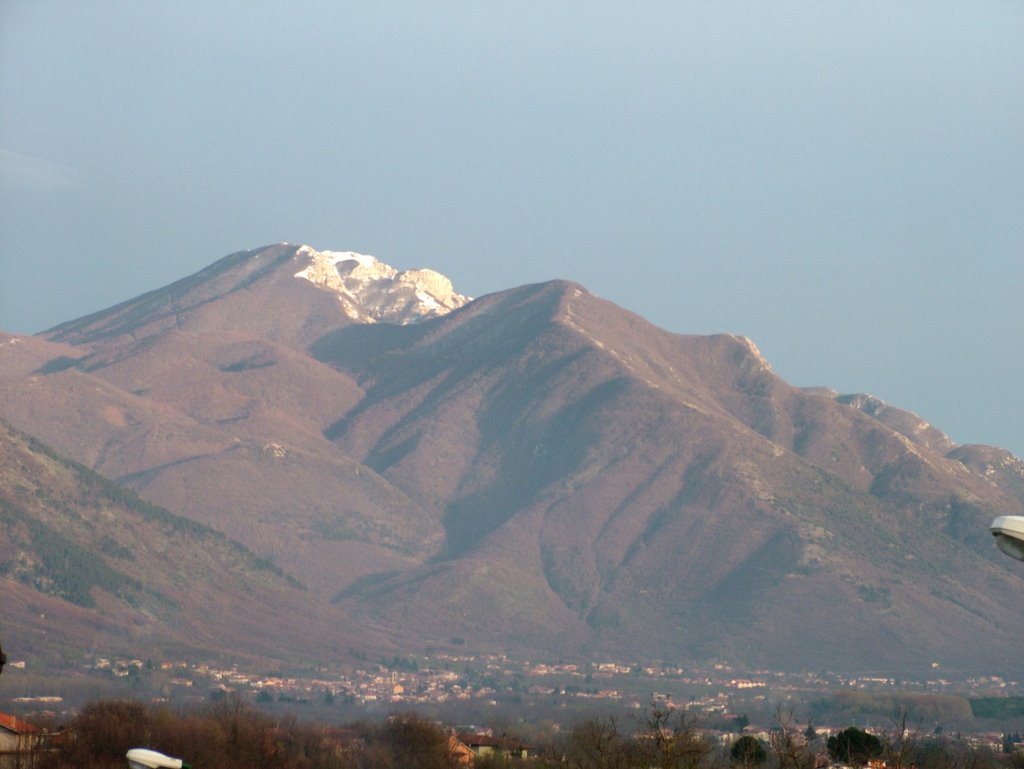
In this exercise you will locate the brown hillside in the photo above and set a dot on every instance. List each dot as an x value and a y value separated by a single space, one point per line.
89 567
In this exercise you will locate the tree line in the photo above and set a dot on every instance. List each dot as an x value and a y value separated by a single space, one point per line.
232 734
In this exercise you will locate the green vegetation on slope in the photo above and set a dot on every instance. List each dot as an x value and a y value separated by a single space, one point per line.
60 567
998 707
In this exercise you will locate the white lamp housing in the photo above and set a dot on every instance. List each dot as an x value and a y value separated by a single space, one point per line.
144 758
1009 533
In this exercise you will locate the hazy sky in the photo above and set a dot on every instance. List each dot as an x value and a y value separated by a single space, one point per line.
841 182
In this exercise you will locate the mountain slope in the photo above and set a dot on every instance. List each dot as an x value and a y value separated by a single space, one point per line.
618 477
89 566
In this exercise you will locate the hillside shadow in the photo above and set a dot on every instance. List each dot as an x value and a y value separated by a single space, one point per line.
531 459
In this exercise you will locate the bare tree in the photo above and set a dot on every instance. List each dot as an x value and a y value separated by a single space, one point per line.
941 752
899 744
405 741
595 744
669 740
787 742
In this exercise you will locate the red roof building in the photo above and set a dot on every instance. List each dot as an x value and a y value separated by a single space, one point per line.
16 735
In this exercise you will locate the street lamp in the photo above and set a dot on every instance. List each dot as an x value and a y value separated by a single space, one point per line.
144 758
1009 533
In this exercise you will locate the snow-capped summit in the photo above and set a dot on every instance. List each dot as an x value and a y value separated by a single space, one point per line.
371 291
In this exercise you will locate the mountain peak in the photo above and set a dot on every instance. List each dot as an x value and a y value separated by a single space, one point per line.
371 291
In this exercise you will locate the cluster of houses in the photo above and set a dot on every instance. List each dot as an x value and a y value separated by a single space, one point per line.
434 680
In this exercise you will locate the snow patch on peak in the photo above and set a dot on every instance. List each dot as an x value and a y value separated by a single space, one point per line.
747 342
370 291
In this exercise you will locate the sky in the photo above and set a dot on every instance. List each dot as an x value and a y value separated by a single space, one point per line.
841 182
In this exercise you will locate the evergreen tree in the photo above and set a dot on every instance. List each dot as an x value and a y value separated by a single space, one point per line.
854 746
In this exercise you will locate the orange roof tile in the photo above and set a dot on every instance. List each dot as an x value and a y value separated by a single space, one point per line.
17 725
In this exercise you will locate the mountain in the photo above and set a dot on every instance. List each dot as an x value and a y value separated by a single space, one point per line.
536 470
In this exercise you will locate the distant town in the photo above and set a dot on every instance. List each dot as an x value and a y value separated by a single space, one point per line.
717 695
